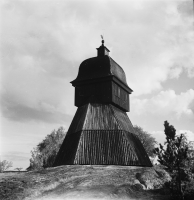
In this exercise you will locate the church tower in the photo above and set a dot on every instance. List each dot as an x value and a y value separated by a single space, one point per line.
101 133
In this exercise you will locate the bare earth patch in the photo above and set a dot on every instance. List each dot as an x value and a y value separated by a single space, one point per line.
85 182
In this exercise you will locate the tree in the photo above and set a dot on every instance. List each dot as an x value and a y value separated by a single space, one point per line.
191 155
4 165
18 169
44 154
174 156
146 139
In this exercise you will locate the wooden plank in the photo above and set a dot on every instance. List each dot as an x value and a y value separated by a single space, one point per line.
104 135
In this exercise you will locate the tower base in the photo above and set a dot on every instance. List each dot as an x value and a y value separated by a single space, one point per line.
101 134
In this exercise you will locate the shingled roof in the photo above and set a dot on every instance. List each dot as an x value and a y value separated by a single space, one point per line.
99 67
101 135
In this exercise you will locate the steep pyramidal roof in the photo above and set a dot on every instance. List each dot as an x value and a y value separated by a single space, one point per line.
101 135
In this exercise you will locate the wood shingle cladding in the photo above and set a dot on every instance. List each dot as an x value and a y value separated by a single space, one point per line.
101 80
101 133
100 67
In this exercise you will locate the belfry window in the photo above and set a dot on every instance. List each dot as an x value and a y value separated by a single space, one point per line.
118 92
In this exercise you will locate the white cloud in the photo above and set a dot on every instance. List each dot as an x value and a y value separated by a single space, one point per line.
189 134
166 103
43 43
160 136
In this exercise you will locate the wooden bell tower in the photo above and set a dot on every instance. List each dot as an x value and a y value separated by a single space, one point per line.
101 133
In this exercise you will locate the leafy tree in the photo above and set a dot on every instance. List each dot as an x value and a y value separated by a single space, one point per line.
43 155
191 155
18 169
146 139
4 165
174 156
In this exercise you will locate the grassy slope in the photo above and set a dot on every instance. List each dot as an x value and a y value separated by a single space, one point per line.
84 182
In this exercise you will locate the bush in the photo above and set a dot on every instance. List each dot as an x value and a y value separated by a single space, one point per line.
4 165
146 139
44 154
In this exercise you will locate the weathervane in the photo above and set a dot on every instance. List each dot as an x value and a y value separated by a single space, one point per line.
102 39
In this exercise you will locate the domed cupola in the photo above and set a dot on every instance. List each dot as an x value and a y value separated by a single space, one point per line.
101 80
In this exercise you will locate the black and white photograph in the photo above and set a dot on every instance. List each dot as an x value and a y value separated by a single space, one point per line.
97 99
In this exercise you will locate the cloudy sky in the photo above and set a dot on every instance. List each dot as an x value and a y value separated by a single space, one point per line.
43 43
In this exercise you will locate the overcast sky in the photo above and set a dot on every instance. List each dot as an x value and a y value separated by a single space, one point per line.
43 43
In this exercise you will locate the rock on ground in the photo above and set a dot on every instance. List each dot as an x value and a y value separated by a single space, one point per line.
85 182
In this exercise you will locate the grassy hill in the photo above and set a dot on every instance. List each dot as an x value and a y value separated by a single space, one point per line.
85 182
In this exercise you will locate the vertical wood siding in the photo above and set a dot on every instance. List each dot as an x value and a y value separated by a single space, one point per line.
101 135
99 92
120 97
109 148
102 92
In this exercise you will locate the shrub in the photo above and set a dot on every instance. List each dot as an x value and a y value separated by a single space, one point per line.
4 165
43 155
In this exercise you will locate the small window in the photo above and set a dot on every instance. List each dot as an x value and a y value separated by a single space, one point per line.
125 98
119 92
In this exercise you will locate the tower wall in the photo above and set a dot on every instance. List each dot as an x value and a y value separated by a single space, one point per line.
93 92
120 97
102 92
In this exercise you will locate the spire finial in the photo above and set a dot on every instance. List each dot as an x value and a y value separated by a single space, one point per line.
102 39
102 50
